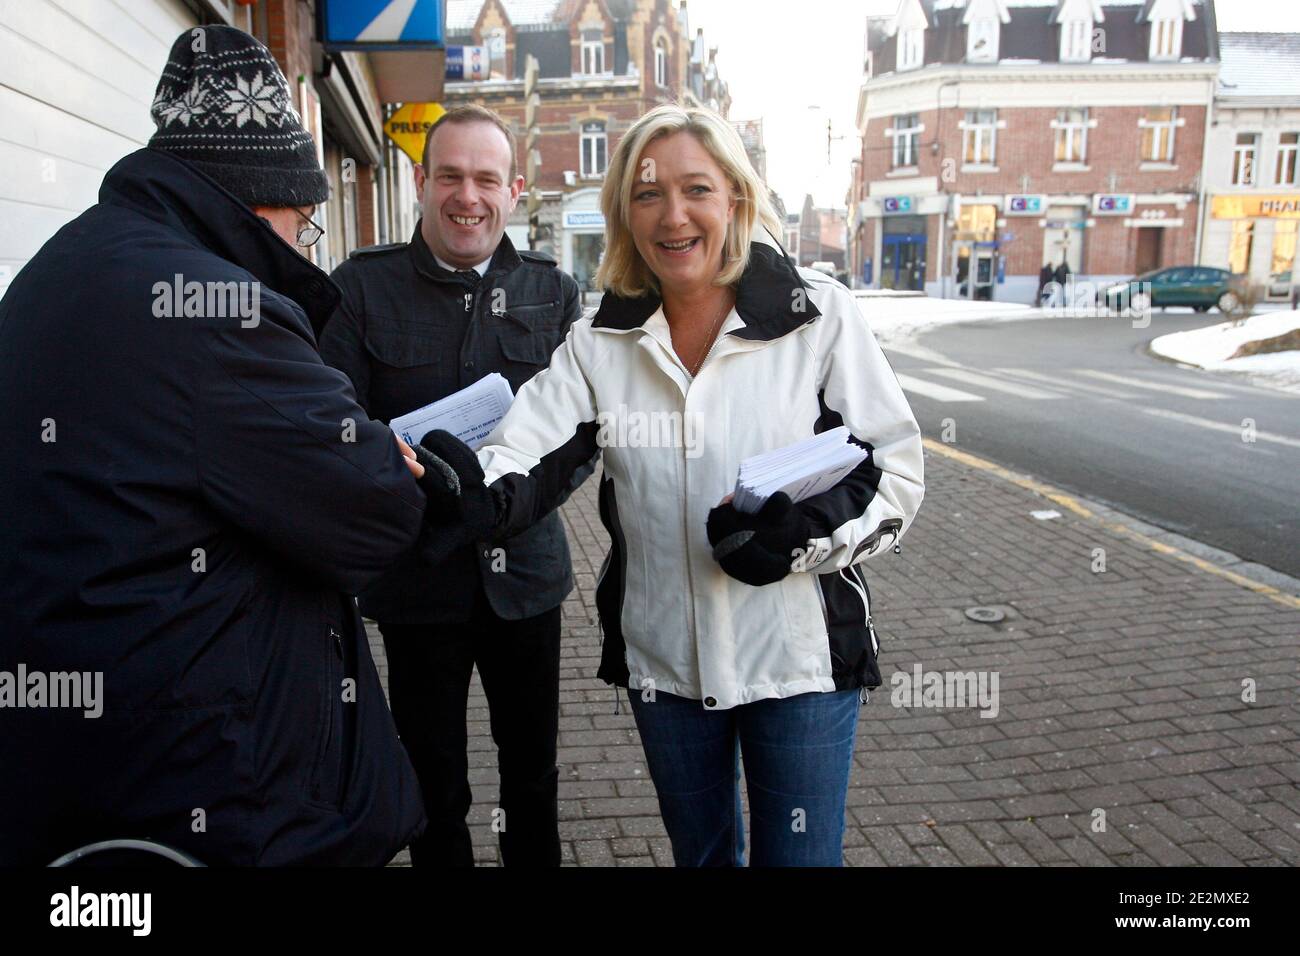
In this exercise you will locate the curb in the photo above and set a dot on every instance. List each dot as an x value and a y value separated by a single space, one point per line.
1278 587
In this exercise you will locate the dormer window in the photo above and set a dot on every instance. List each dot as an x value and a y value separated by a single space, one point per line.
1166 39
982 40
593 52
1076 40
911 48
661 62
1164 19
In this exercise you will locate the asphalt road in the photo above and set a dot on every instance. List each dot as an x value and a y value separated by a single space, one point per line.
1079 403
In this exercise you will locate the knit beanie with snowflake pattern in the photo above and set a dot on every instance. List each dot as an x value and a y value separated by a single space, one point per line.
224 107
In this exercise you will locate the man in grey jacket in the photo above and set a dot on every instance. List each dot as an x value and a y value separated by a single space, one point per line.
419 321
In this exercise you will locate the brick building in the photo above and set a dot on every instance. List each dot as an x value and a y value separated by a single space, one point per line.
999 135
602 64
821 236
1252 170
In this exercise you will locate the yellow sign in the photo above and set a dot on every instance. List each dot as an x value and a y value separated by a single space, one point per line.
409 125
1256 207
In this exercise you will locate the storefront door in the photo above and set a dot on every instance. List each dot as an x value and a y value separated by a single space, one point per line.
902 255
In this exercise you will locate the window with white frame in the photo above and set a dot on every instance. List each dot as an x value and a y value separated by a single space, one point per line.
982 40
1287 145
1166 39
1076 41
1158 127
979 136
907 137
1243 159
595 149
1071 135
593 51
661 62
911 48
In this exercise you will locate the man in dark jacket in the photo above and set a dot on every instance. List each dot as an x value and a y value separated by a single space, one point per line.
189 497
419 321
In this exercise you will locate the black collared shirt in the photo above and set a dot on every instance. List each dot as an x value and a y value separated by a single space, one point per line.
409 332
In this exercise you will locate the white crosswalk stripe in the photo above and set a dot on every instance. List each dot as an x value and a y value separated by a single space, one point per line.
1059 382
1038 386
997 384
1222 427
1150 385
940 393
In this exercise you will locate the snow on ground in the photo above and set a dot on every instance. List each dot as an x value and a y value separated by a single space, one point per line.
1209 348
898 316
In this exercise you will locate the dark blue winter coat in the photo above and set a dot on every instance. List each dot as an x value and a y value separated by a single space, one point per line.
187 501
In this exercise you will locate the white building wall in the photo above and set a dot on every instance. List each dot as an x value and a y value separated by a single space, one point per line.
77 78
1270 122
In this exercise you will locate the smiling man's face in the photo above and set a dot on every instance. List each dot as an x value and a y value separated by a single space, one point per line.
466 192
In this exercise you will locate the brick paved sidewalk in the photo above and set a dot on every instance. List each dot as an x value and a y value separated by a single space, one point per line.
1119 691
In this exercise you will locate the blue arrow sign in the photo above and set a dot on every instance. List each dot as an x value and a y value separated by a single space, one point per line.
372 24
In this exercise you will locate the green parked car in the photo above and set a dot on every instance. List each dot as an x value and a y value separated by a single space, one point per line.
1200 287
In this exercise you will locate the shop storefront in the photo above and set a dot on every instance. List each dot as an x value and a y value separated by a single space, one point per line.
975 251
1255 235
583 236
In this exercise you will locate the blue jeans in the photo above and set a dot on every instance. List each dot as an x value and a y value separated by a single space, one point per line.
797 755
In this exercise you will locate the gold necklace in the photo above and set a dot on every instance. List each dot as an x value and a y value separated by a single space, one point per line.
708 342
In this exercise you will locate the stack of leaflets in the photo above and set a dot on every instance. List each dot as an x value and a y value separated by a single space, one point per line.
801 470
469 414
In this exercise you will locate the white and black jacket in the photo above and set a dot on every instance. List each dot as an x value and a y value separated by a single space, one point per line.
793 358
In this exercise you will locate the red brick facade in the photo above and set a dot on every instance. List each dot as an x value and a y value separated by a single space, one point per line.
567 103
1023 162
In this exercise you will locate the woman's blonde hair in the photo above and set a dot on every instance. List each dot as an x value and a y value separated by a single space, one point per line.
622 270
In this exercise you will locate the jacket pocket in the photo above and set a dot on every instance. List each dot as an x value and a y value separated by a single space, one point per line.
529 333
528 348
325 784
854 646
403 348
533 316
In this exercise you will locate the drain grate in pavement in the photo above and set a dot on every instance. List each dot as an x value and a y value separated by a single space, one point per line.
985 615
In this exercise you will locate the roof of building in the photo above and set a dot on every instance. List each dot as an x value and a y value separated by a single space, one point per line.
1031 36
1259 64
463 14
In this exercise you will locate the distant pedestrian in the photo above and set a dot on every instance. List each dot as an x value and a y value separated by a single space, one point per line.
1044 277
1062 279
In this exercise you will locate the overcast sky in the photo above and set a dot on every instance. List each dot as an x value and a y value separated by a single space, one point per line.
796 65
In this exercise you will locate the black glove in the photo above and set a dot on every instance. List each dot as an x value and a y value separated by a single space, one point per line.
453 484
758 548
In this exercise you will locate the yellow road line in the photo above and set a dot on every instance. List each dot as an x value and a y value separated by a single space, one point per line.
1057 496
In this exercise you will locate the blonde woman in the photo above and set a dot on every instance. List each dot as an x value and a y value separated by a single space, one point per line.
734 633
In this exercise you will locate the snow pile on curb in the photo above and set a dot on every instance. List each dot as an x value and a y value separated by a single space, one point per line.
902 316
1210 347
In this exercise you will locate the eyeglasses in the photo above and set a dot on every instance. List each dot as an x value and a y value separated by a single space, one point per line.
309 233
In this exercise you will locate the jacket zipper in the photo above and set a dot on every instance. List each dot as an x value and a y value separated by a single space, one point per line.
336 640
686 530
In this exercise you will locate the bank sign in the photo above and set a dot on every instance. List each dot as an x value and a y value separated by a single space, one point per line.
381 24
1113 204
1024 205
896 205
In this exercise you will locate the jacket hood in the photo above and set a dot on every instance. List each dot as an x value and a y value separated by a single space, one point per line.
174 194
765 298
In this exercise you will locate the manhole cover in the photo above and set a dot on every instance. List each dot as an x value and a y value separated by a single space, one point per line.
985 615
